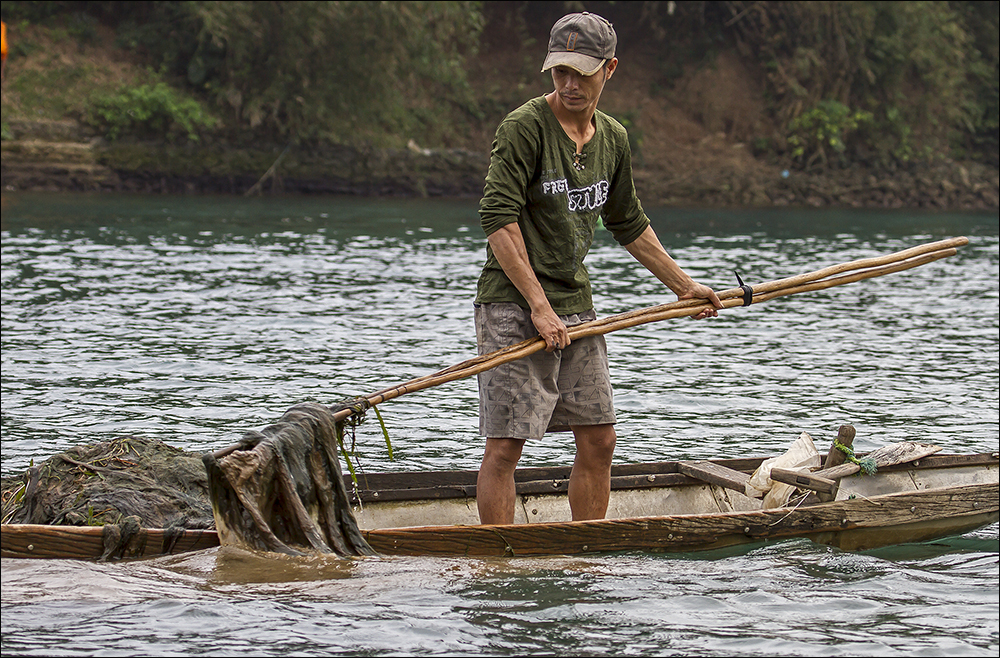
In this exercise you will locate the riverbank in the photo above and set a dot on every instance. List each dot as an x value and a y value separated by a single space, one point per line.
692 140
66 156
714 171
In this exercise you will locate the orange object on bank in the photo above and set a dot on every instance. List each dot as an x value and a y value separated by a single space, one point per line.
3 50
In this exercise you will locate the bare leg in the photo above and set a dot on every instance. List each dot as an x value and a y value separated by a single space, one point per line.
495 492
590 481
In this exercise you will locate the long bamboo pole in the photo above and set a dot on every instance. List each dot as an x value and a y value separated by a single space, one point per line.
869 268
821 279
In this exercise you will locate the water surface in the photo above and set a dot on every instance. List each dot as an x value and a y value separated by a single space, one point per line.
196 319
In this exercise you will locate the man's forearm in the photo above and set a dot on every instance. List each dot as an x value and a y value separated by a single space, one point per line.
648 250
508 247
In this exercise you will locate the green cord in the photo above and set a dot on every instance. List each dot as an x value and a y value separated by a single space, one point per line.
867 464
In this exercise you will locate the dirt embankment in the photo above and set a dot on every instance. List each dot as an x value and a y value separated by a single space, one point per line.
696 150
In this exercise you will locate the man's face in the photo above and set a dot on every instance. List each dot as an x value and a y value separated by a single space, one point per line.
578 92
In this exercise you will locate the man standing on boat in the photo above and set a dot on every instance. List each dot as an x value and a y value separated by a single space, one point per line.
558 165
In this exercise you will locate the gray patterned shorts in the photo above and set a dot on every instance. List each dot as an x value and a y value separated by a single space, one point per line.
546 391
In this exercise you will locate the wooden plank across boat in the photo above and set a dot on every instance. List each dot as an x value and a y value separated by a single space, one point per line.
657 507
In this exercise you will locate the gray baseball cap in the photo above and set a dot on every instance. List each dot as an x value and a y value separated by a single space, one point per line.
583 42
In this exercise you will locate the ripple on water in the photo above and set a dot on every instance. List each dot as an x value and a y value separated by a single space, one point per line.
194 329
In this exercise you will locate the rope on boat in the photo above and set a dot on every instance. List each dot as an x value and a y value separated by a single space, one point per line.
867 464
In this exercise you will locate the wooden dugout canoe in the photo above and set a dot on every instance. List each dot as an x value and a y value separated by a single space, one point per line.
655 507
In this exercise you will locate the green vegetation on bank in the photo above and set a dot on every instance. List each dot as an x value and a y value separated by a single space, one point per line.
883 82
149 109
871 83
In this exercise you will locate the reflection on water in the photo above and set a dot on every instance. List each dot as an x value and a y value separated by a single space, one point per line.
195 319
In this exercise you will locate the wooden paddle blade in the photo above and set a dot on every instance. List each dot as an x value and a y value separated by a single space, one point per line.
890 455
901 453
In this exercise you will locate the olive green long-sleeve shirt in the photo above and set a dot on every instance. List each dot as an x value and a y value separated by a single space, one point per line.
556 198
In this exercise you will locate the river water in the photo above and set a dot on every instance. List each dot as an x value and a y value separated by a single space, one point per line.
195 319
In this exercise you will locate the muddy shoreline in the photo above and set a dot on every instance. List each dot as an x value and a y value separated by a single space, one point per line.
62 157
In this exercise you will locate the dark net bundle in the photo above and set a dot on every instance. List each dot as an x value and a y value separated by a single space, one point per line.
128 480
282 489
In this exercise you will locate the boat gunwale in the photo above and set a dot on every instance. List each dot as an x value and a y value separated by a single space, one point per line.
400 486
151 542
660 533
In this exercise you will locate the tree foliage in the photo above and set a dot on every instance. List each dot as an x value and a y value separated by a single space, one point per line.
345 72
821 132
889 82
335 70
914 66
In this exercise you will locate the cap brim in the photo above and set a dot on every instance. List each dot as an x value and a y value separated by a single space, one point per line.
582 64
